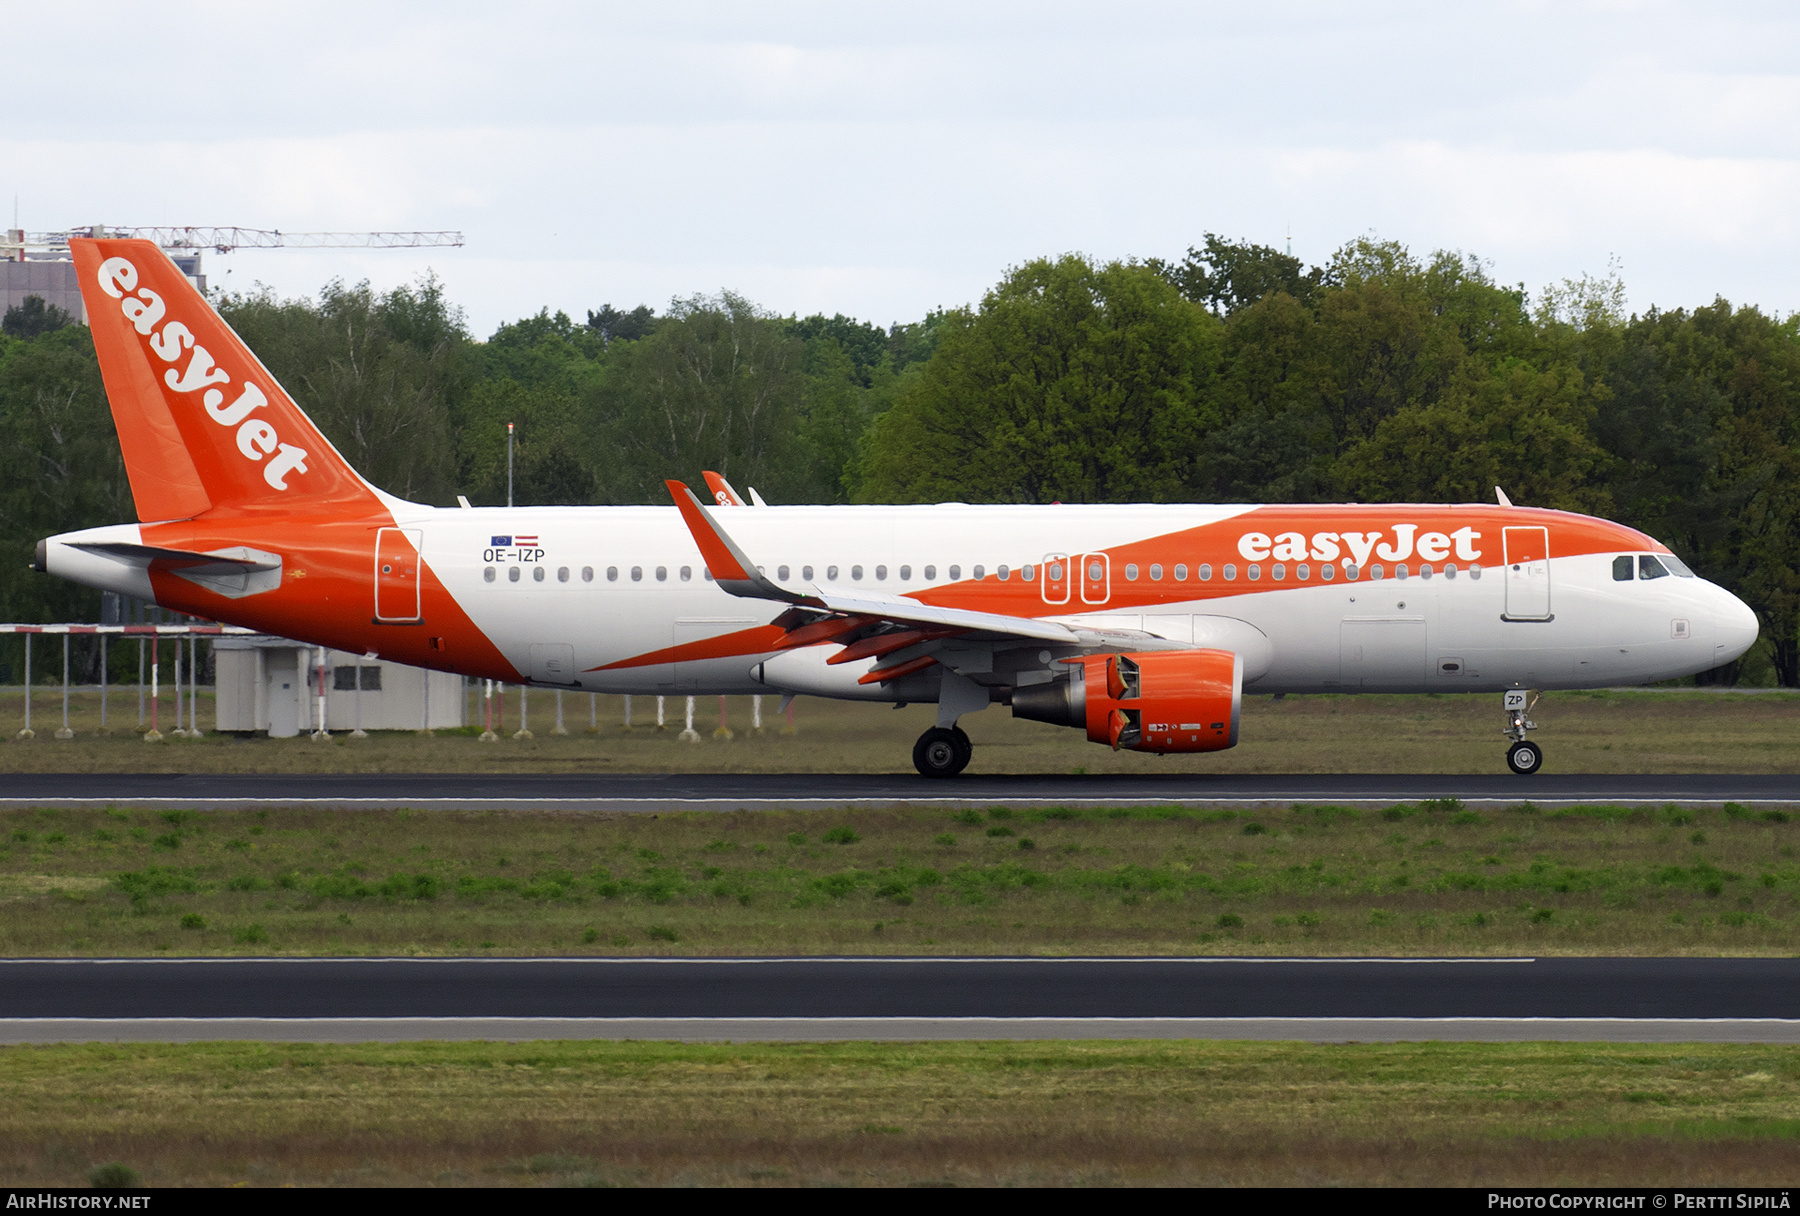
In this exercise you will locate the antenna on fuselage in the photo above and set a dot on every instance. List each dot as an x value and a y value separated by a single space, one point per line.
1501 498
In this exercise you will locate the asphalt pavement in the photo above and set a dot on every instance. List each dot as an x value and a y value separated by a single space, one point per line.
729 791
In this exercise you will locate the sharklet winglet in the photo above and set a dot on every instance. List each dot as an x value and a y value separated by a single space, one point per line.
730 568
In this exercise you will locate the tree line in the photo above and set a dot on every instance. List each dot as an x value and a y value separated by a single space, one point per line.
1235 373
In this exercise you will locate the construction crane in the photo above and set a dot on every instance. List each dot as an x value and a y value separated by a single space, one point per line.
39 263
222 240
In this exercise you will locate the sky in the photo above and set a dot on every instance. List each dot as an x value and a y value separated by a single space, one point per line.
881 160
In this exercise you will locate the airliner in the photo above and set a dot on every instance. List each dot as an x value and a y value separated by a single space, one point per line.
1142 625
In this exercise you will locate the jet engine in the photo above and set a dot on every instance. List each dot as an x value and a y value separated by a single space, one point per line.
1162 701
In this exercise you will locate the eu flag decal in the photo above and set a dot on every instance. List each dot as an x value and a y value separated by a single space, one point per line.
501 542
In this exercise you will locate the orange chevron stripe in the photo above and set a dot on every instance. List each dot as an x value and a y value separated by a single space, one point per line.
759 640
882 675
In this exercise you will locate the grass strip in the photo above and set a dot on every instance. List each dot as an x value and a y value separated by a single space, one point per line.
1427 878
1176 1113
1583 732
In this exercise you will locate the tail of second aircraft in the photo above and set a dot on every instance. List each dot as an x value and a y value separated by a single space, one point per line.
202 423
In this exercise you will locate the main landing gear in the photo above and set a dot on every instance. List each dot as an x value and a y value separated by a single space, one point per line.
1523 757
942 752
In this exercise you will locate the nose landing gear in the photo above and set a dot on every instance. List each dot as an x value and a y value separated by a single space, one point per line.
1523 757
942 752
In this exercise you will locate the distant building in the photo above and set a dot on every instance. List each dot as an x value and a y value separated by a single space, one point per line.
54 281
271 684
49 273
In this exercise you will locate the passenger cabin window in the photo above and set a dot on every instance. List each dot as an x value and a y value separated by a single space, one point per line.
1028 573
662 574
979 572
856 574
1327 571
612 574
1181 572
1303 572
1003 573
687 574
1649 567
587 574
806 573
488 574
781 572
1230 572
512 574
881 574
1131 571
1156 572
637 574
930 573
1622 568
562 574
537 574
956 572
831 574
1278 571
905 574
1205 572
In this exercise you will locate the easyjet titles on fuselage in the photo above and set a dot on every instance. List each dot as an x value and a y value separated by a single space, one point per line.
1330 546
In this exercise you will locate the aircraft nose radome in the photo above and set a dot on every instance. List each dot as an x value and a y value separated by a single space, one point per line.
1735 628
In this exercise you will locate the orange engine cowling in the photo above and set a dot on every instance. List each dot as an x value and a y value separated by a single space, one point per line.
1161 701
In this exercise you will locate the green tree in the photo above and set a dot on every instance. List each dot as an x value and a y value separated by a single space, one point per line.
1073 382
719 385
541 374
63 471
1229 275
1514 426
32 317
377 372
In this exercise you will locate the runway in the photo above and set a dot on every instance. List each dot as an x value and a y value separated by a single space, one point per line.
1733 1000
631 792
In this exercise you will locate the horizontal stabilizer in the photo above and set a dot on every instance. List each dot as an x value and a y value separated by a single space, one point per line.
233 573
249 559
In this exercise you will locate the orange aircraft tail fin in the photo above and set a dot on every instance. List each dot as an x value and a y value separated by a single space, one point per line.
723 492
201 421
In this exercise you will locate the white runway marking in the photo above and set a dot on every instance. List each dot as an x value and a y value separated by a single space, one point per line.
648 805
808 959
814 1030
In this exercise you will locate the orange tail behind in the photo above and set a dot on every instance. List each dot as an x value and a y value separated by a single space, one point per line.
202 423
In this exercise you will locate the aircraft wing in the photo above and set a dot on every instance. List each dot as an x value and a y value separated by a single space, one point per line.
735 572
899 608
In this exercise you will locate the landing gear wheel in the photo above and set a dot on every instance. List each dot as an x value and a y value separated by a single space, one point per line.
964 745
1524 758
942 753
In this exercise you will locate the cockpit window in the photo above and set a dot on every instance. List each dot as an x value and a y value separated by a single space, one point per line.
1649 567
1676 566
1622 568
